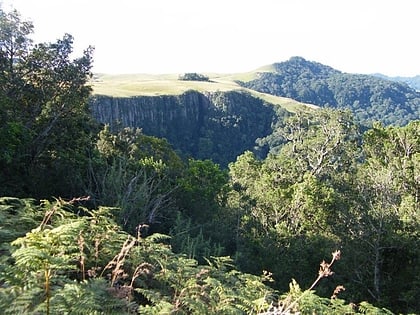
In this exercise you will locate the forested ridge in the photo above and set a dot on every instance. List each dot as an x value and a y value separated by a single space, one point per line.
96 220
413 82
369 97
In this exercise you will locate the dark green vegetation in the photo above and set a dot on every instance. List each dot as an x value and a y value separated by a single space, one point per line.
413 82
220 119
156 231
214 125
370 98
192 76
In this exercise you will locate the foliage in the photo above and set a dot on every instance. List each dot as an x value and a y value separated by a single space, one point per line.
364 201
200 188
203 224
388 186
87 258
134 172
12 209
370 98
79 261
193 77
43 100
189 239
323 185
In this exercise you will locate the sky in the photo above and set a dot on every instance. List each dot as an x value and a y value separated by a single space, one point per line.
230 36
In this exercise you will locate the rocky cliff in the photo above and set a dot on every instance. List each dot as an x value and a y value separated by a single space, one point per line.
214 125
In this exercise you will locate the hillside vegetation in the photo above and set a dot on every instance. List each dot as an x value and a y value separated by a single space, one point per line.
288 84
413 82
101 219
370 98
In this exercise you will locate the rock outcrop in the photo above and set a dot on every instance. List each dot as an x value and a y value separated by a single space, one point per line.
214 125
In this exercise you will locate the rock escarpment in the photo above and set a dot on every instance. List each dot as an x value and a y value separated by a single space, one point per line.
214 125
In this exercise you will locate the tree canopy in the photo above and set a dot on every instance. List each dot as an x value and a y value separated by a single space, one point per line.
101 220
43 101
370 98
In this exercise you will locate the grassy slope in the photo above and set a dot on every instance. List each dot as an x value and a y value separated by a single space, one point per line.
127 85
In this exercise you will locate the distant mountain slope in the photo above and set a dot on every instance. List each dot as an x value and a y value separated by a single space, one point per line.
370 98
413 82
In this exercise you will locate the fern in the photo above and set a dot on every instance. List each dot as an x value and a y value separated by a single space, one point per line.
17 216
368 309
88 297
62 267
161 307
157 237
24 301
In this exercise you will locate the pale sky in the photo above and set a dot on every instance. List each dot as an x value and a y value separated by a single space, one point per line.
176 36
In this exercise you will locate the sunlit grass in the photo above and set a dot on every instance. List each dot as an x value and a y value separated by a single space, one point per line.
129 85
138 85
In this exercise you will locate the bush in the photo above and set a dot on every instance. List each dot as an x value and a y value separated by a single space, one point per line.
193 77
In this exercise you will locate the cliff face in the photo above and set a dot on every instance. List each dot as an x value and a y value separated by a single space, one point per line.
217 125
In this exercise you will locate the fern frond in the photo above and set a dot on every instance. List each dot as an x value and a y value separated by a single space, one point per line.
24 301
157 237
160 308
153 296
369 309
88 297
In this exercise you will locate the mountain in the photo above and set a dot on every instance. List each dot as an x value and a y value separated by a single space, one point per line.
226 114
216 119
413 82
369 97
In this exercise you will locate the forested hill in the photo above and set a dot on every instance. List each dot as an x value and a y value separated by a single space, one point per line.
371 98
110 219
413 82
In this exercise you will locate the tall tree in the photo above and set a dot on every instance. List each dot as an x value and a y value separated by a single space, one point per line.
291 201
44 102
388 186
14 40
14 46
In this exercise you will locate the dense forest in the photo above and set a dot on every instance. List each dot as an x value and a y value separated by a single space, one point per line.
413 82
102 221
368 97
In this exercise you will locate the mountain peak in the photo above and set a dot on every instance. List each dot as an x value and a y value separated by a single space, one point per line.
311 82
298 64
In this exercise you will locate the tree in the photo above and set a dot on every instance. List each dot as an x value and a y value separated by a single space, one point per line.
137 174
290 202
388 188
322 141
200 189
202 226
14 40
48 128
14 46
192 76
320 149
